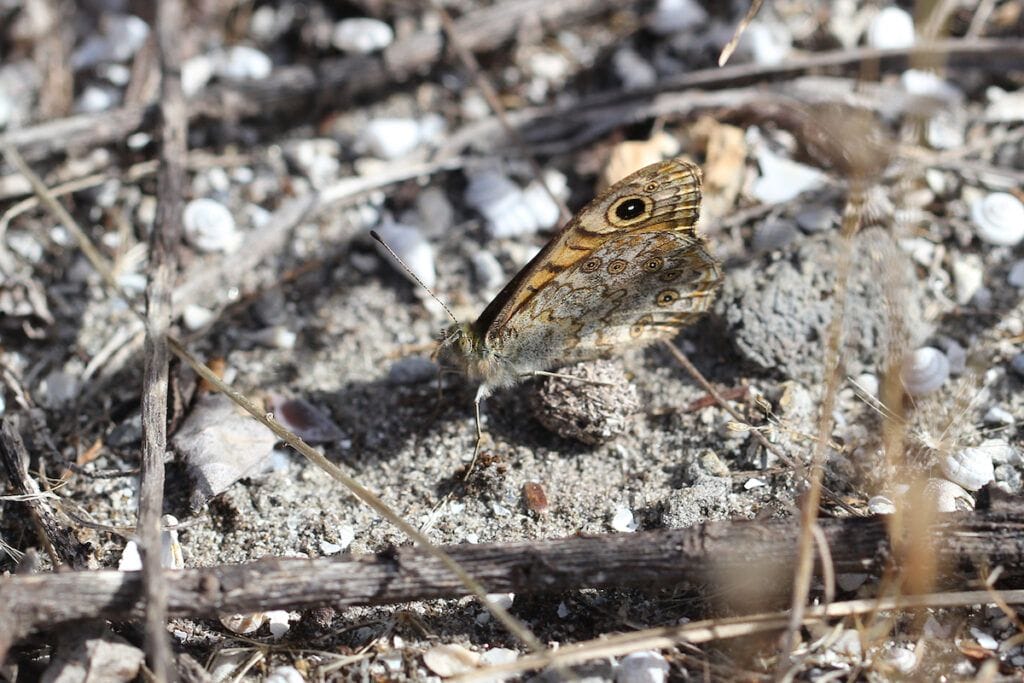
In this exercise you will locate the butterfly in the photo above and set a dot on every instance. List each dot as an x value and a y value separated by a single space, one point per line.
628 269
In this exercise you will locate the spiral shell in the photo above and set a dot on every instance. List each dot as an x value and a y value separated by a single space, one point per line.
999 219
971 468
924 371
947 496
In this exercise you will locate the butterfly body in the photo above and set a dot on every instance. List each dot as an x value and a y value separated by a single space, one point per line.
628 269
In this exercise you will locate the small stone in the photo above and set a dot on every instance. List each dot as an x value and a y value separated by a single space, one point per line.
891 29
984 639
409 243
782 179
674 16
488 270
361 35
773 234
391 138
632 70
196 72
850 582
97 98
968 277
1017 364
766 44
284 674
498 655
242 63
814 219
196 317
209 226
310 423
998 416
642 667
412 370
279 622
622 520
1015 277
92 654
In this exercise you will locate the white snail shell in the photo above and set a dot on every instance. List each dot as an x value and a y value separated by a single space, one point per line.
999 219
947 496
924 371
971 468
209 226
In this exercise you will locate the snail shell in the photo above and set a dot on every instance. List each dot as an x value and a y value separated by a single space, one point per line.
947 496
999 219
924 371
971 468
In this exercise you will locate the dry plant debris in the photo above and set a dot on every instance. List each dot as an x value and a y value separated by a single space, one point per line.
311 123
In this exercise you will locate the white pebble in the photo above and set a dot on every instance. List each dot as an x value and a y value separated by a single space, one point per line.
361 35
891 29
902 659
868 383
391 138
412 247
632 70
1015 278
498 655
131 560
509 210
767 44
998 219
488 270
673 16
971 468
277 619
998 416
782 179
622 519
284 674
642 667
120 37
753 483
968 277
241 62
276 337
196 317
196 72
924 371
929 84
97 98
541 204
209 226
984 639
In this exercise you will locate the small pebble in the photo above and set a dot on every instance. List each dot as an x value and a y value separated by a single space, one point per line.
782 179
850 582
196 72
97 98
278 621
998 416
984 639
498 655
1015 277
968 277
773 234
412 247
412 370
1017 364
488 270
209 226
241 63
276 337
284 674
622 519
902 659
535 498
642 667
391 138
767 44
508 212
674 16
814 219
196 317
361 35
632 70
998 219
311 423
929 84
891 29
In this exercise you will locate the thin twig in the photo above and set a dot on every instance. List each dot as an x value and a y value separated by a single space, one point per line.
730 47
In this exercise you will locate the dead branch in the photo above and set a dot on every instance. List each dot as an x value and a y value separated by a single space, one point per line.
966 545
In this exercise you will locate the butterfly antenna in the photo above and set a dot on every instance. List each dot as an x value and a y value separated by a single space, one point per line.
375 235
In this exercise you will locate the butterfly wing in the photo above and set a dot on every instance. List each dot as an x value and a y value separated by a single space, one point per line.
628 268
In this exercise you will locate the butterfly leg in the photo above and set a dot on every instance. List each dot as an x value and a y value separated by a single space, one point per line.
483 392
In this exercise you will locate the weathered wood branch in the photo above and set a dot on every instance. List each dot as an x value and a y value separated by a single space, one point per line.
966 546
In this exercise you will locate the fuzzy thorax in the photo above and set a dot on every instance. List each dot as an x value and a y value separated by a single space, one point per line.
469 351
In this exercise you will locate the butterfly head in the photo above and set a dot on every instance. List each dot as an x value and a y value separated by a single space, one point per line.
462 346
